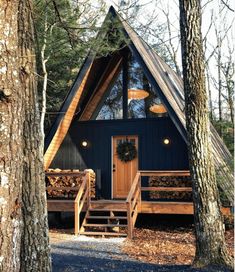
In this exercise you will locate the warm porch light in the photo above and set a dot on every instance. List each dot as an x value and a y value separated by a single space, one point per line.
166 141
137 94
84 143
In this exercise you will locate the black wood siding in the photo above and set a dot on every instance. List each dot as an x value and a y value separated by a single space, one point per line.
153 154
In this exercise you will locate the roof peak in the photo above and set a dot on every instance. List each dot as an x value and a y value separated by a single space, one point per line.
112 9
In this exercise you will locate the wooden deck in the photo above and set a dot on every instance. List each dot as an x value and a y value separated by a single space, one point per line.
112 217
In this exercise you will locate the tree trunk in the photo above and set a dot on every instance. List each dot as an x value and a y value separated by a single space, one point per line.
229 74
44 88
230 103
11 153
210 242
35 243
45 76
23 215
211 110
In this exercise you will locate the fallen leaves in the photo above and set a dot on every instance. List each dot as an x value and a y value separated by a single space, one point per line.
168 246
59 235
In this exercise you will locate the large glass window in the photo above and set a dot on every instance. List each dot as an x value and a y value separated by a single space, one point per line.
143 100
112 105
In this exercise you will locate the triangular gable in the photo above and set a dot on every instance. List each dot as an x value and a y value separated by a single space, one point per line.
63 121
161 77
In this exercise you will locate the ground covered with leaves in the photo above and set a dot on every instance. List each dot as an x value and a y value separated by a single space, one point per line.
171 242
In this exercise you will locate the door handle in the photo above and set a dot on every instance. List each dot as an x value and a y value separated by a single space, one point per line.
114 167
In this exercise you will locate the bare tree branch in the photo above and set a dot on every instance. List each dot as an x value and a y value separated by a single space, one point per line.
226 4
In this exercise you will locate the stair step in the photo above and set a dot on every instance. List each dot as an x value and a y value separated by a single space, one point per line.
107 210
103 233
104 225
106 217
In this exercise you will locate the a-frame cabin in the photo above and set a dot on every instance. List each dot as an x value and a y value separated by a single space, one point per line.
132 99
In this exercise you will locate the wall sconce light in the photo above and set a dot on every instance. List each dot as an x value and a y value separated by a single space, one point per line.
84 143
166 141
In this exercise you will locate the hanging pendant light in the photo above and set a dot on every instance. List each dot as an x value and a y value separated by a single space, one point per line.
137 94
158 107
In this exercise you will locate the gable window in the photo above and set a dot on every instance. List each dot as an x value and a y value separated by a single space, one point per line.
140 99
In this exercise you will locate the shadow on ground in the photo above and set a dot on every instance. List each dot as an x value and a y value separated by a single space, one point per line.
72 263
74 259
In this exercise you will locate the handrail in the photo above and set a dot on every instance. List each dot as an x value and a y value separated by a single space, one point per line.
164 173
81 190
83 196
133 187
133 201
167 189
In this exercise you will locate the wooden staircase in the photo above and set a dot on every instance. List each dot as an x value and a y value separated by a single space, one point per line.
109 217
102 217
105 218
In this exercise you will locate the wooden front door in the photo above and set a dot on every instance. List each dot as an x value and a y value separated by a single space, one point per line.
123 172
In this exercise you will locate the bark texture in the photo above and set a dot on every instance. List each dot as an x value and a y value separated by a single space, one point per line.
11 135
23 231
35 243
210 243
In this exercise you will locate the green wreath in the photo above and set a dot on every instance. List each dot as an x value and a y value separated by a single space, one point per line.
126 151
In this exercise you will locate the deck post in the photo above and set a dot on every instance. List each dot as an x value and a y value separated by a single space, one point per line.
139 185
129 221
88 183
76 218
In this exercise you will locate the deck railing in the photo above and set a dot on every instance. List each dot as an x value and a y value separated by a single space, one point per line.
133 200
166 173
133 203
83 197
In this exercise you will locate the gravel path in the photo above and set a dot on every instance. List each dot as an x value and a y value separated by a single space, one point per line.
70 254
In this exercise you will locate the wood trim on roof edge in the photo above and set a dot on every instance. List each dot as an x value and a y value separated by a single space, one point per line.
63 109
64 125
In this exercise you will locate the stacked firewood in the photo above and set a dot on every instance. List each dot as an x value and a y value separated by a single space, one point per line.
92 182
67 186
177 181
